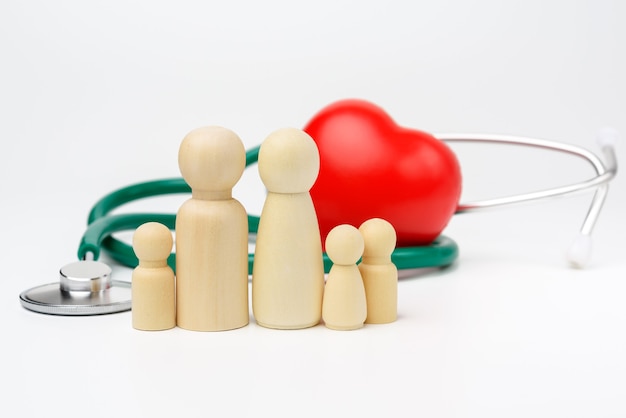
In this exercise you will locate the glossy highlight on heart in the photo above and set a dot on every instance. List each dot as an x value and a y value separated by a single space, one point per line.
371 167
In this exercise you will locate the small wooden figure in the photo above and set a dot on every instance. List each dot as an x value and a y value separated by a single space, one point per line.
153 287
212 234
288 272
344 306
380 275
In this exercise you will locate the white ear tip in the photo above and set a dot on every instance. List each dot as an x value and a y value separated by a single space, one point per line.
607 137
579 252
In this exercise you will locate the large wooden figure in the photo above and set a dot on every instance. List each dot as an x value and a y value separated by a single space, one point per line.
288 272
212 234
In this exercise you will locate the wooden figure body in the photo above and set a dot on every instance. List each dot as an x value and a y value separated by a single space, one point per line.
288 271
212 234
344 306
153 283
380 275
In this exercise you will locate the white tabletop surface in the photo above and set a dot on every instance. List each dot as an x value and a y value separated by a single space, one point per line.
97 96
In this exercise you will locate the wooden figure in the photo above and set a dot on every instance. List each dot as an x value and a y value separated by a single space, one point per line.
344 306
212 234
153 287
380 275
288 271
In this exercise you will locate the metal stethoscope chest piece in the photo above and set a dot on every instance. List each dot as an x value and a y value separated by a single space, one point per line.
85 288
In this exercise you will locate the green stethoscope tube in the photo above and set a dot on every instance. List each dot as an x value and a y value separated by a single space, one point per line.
101 226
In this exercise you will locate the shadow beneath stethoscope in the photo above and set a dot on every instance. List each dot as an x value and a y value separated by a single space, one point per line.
418 273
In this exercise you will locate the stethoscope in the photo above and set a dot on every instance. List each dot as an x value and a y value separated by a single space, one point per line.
86 286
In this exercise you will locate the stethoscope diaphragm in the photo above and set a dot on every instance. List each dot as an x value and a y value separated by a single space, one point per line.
85 288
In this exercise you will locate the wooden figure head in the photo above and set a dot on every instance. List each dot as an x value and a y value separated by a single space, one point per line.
380 238
152 242
344 245
211 159
289 161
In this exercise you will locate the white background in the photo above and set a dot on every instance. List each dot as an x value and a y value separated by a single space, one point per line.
98 95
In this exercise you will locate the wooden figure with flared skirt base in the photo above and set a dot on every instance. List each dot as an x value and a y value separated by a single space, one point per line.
344 306
288 270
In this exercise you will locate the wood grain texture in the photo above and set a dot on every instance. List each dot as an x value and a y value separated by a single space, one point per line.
212 234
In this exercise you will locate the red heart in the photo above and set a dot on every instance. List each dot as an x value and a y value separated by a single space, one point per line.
371 167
